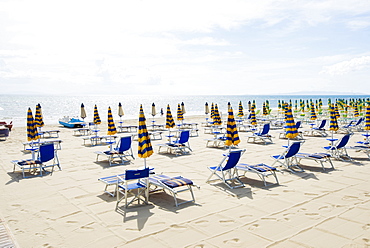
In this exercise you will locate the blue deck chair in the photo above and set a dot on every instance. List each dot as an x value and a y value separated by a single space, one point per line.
319 129
122 151
217 141
174 185
288 158
114 180
262 170
299 136
262 136
358 125
179 146
46 157
133 184
360 148
226 172
317 157
339 150
298 124
111 181
345 128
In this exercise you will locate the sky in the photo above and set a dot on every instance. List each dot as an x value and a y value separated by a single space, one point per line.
167 47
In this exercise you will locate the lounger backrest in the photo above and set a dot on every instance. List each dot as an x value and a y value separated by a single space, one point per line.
322 124
298 124
125 143
184 137
359 121
136 174
46 152
266 129
344 141
293 149
232 160
349 124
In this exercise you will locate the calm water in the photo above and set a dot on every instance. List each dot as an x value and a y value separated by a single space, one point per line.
54 107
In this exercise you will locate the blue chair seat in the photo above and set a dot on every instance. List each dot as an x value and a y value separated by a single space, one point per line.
262 170
174 185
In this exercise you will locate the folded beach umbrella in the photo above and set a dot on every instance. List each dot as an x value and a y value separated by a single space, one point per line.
83 112
169 119
333 120
253 117
301 105
240 113
279 105
313 112
183 108
367 123
97 120
111 127
290 127
296 105
264 110
154 112
120 110
32 133
355 108
217 117
249 106
212 111
367 118
228 106
337 111
232 136
317 105
39 122
206 108
180 116
145 148
120 113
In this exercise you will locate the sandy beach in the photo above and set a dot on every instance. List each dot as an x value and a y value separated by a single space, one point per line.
70 209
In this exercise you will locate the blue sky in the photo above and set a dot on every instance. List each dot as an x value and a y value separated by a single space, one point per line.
184 47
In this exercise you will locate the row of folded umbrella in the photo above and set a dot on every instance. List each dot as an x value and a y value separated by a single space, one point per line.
144 144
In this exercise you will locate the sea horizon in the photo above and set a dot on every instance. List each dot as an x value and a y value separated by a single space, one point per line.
14 107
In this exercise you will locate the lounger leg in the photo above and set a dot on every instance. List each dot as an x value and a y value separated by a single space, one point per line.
277 181
174 196
191 192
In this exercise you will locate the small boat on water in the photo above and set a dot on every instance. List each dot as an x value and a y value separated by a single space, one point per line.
8 125
71 122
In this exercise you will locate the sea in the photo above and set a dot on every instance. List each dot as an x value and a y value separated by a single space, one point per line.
14 107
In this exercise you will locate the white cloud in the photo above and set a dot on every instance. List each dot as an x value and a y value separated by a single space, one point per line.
348 66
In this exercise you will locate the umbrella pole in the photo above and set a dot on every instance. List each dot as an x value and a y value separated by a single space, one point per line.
33 150
144 162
